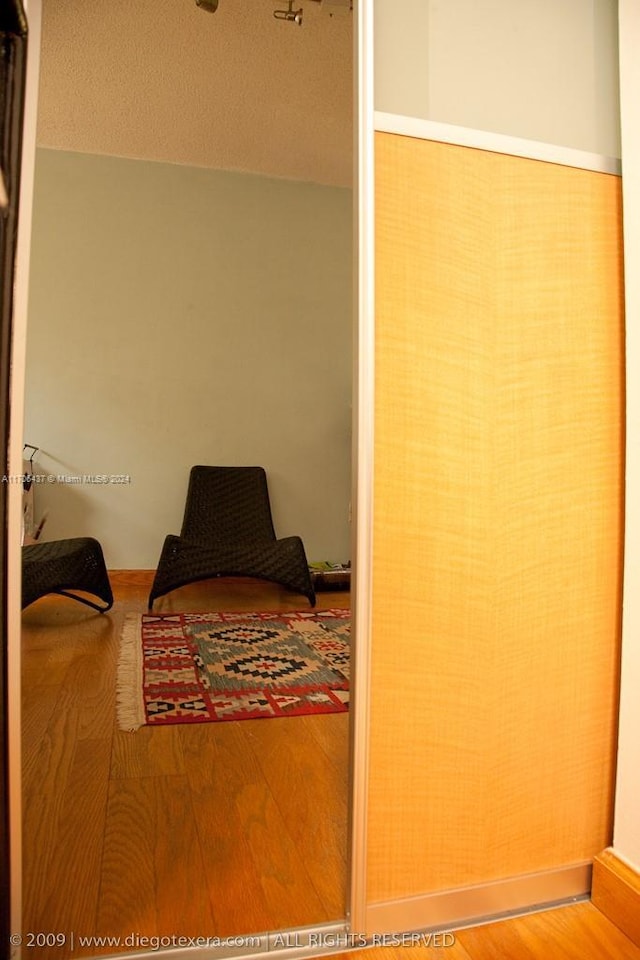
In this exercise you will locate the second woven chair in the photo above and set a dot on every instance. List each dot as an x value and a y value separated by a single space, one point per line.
228 530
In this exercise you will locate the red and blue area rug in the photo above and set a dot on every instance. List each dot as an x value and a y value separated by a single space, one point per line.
211 667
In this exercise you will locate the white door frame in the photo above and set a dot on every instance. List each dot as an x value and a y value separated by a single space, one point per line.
33 10
363 429
626 834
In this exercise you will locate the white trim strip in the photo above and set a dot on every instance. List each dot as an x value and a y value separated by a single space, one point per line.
480 903
495 143
363 487
33 9
626 828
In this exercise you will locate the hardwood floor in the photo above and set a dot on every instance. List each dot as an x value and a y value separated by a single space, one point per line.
201 830
576 932
211 829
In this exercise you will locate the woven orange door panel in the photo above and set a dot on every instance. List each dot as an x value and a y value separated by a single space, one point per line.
497 517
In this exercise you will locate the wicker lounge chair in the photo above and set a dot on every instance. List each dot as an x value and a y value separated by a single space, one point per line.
227 530
64 565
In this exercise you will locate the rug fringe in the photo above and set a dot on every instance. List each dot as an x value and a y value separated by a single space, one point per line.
129 699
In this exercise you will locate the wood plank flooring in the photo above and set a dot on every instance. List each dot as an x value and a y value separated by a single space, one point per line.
576 932
202 830
212 829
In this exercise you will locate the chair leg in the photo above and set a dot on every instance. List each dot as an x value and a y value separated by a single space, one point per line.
89 603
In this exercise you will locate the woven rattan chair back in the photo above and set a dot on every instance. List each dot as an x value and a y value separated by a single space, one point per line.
227 505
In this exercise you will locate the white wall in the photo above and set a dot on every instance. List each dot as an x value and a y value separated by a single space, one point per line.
179 316
626 838
538 69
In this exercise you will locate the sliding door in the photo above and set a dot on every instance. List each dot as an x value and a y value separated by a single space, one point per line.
497 537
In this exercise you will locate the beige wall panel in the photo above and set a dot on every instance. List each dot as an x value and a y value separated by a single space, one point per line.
497 516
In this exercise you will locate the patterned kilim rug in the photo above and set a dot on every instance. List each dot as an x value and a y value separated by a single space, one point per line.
203 667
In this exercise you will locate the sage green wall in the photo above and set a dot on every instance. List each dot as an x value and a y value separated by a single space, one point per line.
180 316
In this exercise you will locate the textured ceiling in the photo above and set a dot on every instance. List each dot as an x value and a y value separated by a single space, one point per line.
166 80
